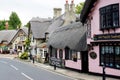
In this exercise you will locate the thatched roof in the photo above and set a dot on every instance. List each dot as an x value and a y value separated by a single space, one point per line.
39 27
7 35
57 22
72 36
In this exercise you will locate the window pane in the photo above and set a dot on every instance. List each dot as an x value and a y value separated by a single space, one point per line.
117 57
74 55
103 21
108 20
106 49
79 55
116 7
70 54
60 53
108 17
103 50
66 53
115 19
111 54
102 11
108 9
111 49
54 52
102 18
102 55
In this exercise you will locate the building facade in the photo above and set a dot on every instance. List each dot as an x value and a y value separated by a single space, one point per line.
68 48
103 35
38 27
18 41
13 40
68 41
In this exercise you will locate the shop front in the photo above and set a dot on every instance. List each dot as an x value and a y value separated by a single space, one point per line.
105 52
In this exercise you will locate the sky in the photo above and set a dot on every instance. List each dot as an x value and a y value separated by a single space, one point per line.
26 9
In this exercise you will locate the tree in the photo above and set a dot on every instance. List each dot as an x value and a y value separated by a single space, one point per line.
27 25
27 44
2 24
79 7
14 20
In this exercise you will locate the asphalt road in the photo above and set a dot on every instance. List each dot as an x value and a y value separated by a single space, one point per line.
16 70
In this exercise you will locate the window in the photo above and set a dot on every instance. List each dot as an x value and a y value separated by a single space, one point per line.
54 52
109 16
22 38
66 53
89 30
71 54
20 47
110 56
61 53
46 36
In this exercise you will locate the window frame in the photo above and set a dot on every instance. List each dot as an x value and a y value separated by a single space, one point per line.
107 22
54 52
112 63
60 53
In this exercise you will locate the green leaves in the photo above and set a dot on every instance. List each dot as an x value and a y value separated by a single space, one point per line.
79 8
2 24
14 20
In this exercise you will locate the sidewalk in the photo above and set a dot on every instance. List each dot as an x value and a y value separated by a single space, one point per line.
69 73
10 56
73 74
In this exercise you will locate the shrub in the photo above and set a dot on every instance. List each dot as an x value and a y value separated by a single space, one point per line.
24 55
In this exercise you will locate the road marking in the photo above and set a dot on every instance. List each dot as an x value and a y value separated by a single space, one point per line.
3 62
26 76
14 67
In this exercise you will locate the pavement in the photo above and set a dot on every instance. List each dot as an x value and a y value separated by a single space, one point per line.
66 72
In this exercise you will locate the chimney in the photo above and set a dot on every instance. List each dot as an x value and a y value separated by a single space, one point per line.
66 6
72 11
72 6
57 12
6 25
69 12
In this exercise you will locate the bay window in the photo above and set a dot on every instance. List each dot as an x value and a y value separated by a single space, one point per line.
110 56
109 16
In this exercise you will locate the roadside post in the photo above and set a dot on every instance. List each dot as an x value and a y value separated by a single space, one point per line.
55 66
104 76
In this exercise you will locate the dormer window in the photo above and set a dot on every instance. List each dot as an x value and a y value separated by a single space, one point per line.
109 17
46 36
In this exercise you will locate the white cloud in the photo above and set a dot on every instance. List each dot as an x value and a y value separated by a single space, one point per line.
26 9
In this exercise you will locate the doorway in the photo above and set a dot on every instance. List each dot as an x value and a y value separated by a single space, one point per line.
84 62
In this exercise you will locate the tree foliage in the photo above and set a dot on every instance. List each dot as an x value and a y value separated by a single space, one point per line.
27 25
2 24
14 20
27 44
79 7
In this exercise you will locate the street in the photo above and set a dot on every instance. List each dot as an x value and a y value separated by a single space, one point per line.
15 70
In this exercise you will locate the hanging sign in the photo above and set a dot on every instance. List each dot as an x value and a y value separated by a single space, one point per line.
93 55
